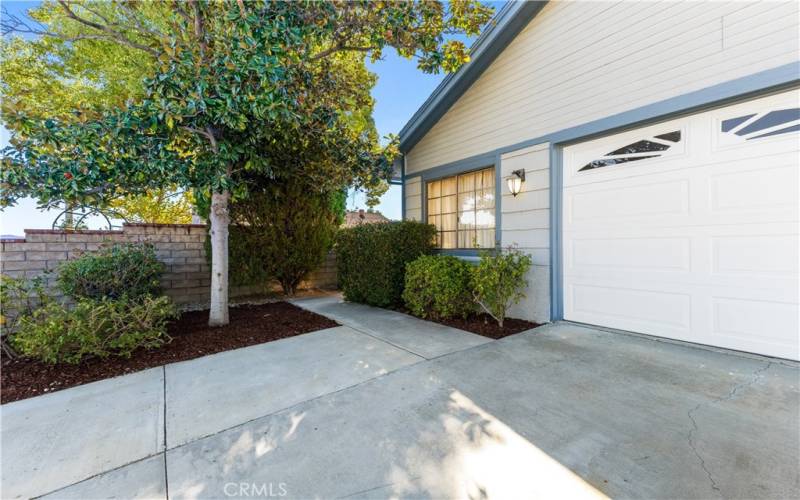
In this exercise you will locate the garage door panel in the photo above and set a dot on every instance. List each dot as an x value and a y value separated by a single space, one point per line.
630 202
773 255
757 325
652 309
640 253
755 189
701 245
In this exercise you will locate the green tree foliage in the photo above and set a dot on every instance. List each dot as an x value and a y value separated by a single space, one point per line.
232 79
66 67
499 280
371 259
160 206
439 287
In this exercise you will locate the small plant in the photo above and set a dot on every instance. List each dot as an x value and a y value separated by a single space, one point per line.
371 259
122 270
19 297
439 287
498 281
93 328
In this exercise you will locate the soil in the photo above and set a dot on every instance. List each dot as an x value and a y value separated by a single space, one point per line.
485 325
191 338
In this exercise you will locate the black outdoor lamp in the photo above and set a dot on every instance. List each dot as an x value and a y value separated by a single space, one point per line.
515 181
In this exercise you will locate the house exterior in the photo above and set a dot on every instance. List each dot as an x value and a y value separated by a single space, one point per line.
659 143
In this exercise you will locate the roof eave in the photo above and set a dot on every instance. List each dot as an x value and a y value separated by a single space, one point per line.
506 25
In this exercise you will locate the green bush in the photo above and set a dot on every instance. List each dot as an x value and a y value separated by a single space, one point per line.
55 333
19 297
282 230
372 258
439 287
499 279
122 270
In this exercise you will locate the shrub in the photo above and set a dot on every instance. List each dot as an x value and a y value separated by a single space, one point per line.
106 327
122 270
372 258
282 231
19 297
498 281
438 287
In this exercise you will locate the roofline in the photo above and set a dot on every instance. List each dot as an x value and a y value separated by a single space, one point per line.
505 26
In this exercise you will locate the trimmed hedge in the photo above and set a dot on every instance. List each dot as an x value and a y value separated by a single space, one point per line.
122 270
439 287
372 258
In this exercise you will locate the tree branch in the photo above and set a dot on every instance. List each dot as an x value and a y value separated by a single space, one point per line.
115 35
339 47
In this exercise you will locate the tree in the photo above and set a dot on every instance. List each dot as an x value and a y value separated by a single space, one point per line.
160 206
232 79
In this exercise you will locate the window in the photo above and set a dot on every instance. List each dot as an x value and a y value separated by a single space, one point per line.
765 124
462 209
639 150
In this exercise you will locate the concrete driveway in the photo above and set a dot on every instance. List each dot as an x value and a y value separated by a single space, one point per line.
390 406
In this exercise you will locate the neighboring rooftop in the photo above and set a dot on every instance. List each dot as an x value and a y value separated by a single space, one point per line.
357 217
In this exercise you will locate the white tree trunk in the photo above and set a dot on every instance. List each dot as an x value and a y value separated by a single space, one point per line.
219 219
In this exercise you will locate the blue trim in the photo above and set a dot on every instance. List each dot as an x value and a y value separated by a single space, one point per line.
556 221
771 80
403 189
505 26
498 202
459 252
459 167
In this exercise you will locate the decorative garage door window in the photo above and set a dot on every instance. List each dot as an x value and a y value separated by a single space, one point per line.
643 149
764 124
462 209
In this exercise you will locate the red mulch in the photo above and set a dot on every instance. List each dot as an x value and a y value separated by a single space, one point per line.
191 338
485 325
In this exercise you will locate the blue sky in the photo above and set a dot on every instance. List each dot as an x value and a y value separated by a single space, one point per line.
400 90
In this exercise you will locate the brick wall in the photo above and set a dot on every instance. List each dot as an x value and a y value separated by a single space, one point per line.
180 246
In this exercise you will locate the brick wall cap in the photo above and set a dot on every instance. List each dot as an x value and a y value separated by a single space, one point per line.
150 224
73 231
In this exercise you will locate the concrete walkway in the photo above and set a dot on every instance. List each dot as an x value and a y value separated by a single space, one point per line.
365 411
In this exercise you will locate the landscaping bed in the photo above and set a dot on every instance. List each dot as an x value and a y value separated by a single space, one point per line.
191 338
485 325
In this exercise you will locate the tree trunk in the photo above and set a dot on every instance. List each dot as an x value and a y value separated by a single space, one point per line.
219 218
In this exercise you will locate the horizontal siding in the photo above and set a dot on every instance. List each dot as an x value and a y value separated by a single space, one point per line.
577 62
525 224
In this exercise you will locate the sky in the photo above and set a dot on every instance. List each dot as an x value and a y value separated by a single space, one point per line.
400 91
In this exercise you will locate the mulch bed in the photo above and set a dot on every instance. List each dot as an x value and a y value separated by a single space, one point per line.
485 325
191 338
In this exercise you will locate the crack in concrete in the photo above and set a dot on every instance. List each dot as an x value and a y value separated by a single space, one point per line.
755 377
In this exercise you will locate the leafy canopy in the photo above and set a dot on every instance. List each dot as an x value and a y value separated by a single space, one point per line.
230 81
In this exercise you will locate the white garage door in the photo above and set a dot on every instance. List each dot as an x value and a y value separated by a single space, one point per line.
689 229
